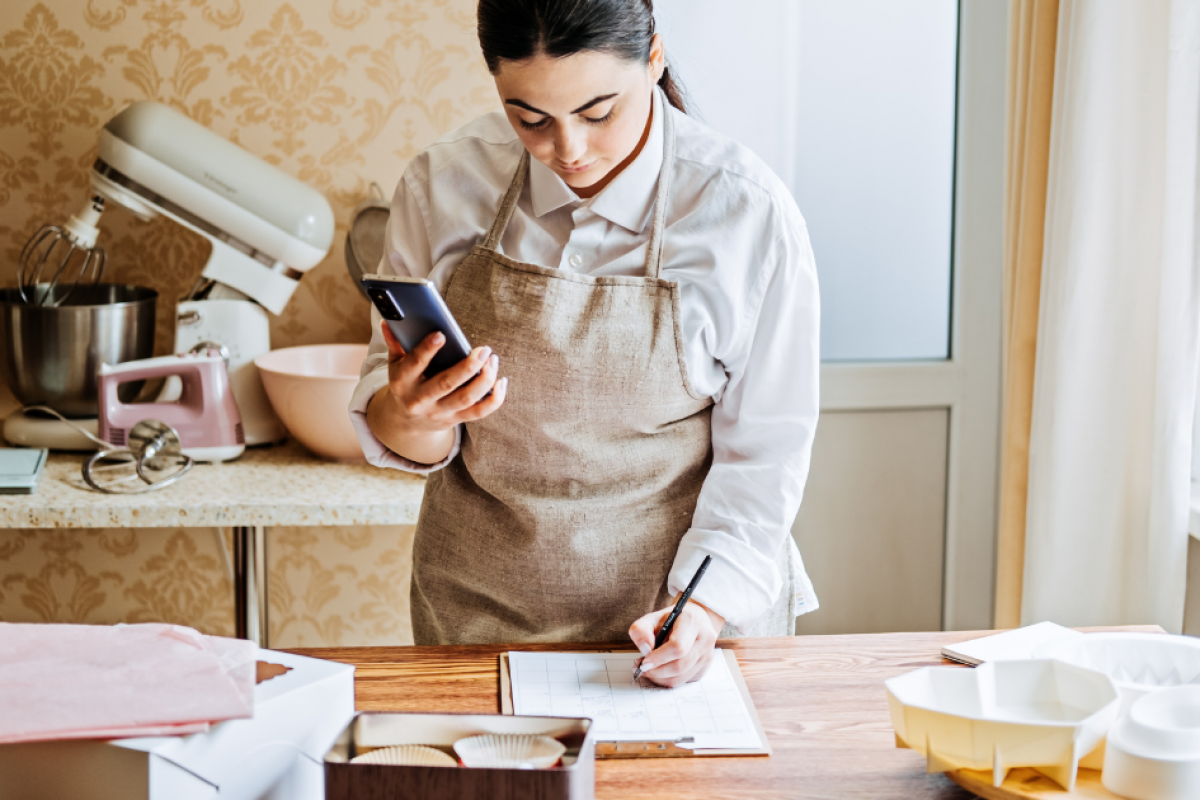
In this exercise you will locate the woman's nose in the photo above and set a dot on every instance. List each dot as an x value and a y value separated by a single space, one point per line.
570 145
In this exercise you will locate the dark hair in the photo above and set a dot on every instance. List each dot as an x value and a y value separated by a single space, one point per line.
513 30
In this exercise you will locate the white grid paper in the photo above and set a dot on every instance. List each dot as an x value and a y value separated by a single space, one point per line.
598 686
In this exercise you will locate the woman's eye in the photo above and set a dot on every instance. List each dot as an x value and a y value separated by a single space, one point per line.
599 120
534 126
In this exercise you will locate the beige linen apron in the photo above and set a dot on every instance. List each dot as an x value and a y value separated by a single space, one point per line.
561 516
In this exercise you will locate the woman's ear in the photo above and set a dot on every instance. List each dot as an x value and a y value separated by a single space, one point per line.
658 57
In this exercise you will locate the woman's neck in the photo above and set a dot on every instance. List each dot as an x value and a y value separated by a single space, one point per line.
587 192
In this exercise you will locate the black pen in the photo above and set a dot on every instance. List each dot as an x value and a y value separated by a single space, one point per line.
664 632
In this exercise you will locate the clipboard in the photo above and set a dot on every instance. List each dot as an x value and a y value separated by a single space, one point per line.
659 749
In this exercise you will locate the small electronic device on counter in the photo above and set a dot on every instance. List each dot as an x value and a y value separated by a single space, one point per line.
20 469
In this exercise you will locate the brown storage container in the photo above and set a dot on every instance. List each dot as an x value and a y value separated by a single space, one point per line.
574 780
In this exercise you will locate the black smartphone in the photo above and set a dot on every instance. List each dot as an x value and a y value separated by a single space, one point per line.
413 309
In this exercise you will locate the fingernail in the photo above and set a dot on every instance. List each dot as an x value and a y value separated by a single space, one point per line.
439 337
647 666
645 648
495 362
484 352
503 384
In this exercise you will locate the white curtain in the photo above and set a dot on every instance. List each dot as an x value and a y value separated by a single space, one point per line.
1115 381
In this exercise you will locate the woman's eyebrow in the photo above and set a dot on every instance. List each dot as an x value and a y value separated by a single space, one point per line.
580 110
594 101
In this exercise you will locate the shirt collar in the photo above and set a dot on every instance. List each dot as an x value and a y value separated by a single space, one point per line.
628 201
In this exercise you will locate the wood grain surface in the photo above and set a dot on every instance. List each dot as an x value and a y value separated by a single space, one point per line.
1026 784
821 700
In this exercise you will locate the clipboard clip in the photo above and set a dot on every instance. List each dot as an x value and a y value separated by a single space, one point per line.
645 749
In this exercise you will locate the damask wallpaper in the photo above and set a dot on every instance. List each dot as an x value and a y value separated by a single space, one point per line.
340 93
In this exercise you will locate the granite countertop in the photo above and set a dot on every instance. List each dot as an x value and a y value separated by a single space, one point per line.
280 485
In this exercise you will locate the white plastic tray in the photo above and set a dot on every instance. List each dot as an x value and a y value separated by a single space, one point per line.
1138 663
1154 752
1030 713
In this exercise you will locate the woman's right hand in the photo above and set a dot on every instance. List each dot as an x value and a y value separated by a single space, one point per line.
416 416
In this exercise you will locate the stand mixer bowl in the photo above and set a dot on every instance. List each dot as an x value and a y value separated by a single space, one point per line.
50 355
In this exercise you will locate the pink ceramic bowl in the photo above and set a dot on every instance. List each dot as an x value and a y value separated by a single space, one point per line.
310 388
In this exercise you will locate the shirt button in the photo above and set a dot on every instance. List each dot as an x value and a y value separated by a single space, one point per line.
576 260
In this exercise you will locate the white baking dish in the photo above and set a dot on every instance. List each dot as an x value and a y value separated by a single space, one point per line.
1029 713
1154 752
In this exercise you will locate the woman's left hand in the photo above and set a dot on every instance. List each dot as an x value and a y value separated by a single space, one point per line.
684 656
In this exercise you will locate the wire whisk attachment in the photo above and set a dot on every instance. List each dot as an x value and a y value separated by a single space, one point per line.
57 260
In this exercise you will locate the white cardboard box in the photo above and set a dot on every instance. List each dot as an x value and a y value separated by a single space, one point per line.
277 755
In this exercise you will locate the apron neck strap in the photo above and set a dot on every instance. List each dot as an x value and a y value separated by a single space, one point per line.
508 204
654 250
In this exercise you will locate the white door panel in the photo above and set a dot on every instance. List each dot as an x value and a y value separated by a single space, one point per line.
872 520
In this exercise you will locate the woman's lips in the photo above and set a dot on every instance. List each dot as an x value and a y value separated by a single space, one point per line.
584 168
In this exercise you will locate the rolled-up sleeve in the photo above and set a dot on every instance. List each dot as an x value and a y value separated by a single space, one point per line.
763 426
406 252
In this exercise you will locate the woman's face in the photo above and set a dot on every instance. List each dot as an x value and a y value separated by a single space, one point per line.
582 115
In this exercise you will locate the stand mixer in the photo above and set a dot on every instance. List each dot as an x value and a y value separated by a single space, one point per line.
265 227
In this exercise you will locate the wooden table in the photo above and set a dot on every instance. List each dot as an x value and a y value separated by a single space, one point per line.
821 700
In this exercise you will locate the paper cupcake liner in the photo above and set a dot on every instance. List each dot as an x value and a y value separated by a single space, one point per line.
407 755
522 751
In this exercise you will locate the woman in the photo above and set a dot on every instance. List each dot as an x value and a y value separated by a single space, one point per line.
643 392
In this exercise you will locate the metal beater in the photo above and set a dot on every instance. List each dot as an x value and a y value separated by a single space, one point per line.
69 251
153 459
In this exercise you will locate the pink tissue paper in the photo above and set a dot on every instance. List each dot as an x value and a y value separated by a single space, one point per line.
109 682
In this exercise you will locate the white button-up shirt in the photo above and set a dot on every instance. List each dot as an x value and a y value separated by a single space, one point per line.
738 247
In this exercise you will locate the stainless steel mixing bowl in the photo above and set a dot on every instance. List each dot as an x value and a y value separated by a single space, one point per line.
50 355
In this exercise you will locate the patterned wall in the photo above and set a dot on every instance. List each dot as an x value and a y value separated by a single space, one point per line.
340 93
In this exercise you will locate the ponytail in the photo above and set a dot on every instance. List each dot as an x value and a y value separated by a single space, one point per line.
671 90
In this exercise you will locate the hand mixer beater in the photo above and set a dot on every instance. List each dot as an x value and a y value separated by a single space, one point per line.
57 260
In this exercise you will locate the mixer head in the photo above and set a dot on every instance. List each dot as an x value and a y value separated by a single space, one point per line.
58 260
265 227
